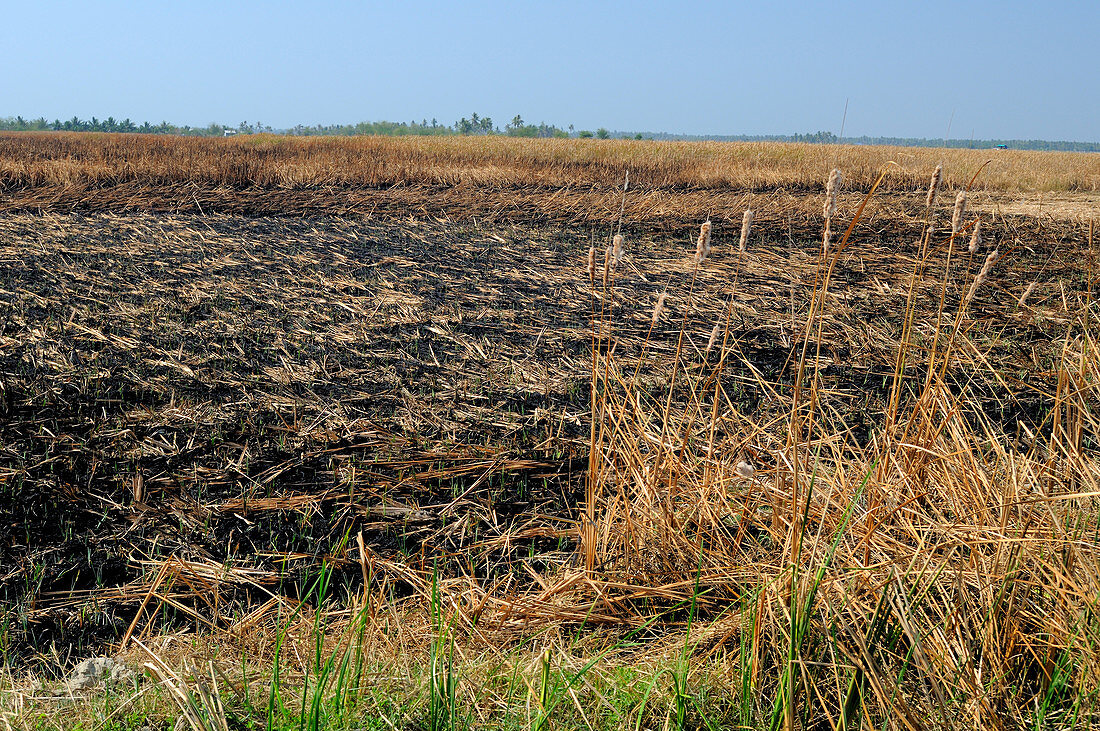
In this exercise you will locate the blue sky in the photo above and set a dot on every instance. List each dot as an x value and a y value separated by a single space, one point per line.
1005 69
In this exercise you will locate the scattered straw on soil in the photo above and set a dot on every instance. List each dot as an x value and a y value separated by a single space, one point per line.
240 396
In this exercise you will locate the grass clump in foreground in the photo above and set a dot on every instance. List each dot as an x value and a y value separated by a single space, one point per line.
766 568
941 572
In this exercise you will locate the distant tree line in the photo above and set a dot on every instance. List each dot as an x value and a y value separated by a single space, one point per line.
110 124
1052 145
476 124
828 138
473 125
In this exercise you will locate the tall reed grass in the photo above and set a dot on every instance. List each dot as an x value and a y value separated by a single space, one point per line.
941 571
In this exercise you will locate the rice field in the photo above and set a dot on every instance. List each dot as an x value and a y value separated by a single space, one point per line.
384 433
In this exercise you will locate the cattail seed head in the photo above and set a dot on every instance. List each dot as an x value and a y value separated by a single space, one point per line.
827 236
934 186
592 264
975 236
617 248
745 470
606 265
979 280
659 307
990 260
714 335
1027 293
746 226
960 211
702 245
835 179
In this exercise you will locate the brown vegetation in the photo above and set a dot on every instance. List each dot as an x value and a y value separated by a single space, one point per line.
265 174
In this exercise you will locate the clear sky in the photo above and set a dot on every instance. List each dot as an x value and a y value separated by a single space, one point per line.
993 69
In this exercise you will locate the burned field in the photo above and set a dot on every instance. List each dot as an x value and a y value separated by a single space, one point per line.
199 411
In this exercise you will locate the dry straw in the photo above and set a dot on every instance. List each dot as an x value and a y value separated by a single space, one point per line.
746 226
960 211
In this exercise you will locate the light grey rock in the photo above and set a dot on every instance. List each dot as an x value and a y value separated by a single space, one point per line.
98 671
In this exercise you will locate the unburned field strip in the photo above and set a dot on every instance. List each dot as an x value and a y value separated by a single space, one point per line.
505 180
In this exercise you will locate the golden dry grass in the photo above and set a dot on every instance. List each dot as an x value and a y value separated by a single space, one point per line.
29 160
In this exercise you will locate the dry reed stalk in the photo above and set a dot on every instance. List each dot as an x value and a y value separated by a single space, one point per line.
975 236
934 185
960 211
746 227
